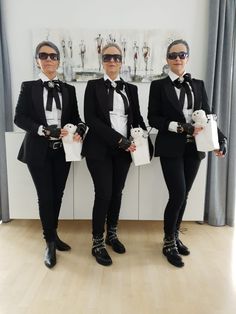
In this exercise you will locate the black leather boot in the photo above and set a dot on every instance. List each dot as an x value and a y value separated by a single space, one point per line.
99 251
182 249
113 241
60 245
171 252
50 259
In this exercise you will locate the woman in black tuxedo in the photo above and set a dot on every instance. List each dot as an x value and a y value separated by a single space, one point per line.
44 107
110 108
172 101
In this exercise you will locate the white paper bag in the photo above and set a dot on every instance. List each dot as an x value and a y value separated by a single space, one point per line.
207 139
73 151
72 148
141 155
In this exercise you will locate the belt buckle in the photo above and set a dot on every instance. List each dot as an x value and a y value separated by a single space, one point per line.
189 140
56 145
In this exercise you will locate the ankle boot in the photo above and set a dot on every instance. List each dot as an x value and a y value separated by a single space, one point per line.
99 251
50 255
112 239
60 245
182 249
171 252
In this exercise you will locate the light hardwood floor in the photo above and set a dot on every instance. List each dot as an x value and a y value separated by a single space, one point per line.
139 282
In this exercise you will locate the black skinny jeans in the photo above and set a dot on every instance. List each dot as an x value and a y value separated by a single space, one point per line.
179 174
109 176
50 181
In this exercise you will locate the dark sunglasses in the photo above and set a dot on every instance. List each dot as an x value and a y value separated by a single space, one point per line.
45 55
173 55
115 58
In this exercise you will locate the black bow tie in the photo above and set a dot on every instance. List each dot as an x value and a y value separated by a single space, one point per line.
53 88
181 83
118 86
181 80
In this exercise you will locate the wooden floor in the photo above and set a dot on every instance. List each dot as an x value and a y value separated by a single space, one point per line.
138 282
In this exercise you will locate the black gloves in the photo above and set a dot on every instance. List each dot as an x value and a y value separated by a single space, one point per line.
124 143
223 146
52 131
81 128
185 127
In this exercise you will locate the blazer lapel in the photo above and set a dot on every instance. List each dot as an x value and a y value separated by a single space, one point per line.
101 92
197 102
37 96
171 95
130 98
65 102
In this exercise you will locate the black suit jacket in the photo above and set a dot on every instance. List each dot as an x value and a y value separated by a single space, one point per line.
101 138
164 107
30 114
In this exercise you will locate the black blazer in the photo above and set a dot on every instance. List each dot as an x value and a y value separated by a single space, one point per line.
164 107
30 114
101 138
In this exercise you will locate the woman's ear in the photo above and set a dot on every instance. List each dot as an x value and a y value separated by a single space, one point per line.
37 63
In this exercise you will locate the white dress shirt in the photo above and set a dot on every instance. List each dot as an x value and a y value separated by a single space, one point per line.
117 116
53 117
187 112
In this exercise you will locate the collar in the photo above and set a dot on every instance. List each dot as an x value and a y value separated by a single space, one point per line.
44 77
174 76
106 77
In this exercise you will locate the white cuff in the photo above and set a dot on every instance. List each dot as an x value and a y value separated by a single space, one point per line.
40 131
173 126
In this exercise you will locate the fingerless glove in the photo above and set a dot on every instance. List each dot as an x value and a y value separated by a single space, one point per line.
185 127
223 146
124 143
52 131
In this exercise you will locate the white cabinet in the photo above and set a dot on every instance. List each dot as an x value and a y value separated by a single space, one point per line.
23 201
144 197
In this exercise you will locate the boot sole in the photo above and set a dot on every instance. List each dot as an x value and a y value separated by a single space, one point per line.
119 252
101 262
176 264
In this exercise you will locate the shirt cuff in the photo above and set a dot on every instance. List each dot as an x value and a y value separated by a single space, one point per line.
173 126
40 131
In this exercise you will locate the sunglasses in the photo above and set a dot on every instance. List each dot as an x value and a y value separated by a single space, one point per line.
109 58
173 55
45 55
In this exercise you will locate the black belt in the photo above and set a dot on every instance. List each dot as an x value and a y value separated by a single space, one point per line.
55 144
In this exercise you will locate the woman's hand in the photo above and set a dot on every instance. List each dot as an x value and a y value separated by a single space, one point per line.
126 144
77 138
218 153
132 148
64 132
221 152
197 130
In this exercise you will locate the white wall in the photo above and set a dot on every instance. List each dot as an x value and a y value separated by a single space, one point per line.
189 16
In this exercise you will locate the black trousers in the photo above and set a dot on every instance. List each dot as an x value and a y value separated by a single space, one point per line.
50 181
179 174
109 176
